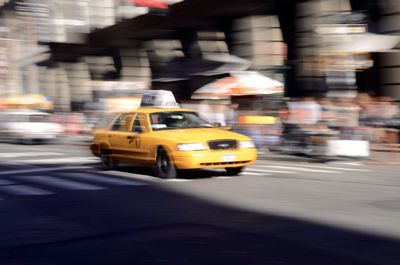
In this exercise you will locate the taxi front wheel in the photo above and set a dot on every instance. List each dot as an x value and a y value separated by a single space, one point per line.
164 167
233 171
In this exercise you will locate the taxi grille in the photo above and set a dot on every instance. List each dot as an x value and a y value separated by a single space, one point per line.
222 144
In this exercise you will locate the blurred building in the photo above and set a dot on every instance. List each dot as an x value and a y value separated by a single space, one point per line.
259 39
389 63
77 51
43 47
321 25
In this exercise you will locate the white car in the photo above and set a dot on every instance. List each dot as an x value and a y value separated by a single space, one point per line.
28 126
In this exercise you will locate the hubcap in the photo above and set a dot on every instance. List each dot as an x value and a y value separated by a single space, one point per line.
164 163
106 160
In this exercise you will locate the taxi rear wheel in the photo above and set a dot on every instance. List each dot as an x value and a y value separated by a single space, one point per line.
164 167
233 171
107 161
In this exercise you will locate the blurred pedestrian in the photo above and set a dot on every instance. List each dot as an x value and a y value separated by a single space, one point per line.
231 113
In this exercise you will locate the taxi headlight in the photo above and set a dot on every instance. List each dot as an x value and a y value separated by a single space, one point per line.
191 147
247 144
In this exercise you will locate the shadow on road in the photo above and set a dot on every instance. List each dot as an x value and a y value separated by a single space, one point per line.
153 225
182 174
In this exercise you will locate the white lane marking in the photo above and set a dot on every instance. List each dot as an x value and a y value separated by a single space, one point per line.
36 170
177 180
103 179
340 168
65 160
254 169
28 154
244 173
132 176
24 190
61 183
301 169
143 177
4 182
346 163
158 180
323 167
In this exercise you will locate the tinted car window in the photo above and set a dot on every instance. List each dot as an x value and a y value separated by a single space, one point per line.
138 125
123 122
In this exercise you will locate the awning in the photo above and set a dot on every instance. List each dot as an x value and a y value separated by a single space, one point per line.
208 65
150 3
363 43
239 84
35 101
225 63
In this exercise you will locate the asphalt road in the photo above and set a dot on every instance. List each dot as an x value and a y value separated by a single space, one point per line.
57 206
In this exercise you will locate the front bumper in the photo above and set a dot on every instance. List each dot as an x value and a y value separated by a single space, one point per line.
214 159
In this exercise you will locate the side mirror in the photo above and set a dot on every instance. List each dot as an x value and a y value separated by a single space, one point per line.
216 124
227 127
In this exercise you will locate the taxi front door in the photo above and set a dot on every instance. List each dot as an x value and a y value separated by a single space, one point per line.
137 141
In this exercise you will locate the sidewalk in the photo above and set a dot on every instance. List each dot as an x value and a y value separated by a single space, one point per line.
377 157
383 154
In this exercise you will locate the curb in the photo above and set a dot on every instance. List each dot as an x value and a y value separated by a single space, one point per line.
383 162
372 160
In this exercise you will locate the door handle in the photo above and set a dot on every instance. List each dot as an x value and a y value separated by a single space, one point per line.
129 137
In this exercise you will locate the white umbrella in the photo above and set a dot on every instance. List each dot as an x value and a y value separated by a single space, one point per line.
239 84
364 43
228 62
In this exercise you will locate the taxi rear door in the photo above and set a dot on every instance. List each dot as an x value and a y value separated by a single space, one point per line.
119 133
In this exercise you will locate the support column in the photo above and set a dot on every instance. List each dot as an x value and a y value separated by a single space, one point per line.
78 77
53 83
259 39
390 62
311 72
135 66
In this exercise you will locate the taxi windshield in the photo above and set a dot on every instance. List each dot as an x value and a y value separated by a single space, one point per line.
177 120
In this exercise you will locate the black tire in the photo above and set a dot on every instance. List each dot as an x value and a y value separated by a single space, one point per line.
26 141
164 167
3 137
233 171
107 161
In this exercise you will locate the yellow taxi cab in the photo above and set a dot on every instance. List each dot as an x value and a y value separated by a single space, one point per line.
171 139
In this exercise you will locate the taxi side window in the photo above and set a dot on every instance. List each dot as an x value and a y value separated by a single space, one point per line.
122 123
138 125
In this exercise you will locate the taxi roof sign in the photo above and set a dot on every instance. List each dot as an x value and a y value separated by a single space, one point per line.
158 99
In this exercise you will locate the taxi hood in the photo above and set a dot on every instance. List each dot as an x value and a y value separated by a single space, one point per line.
194 135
